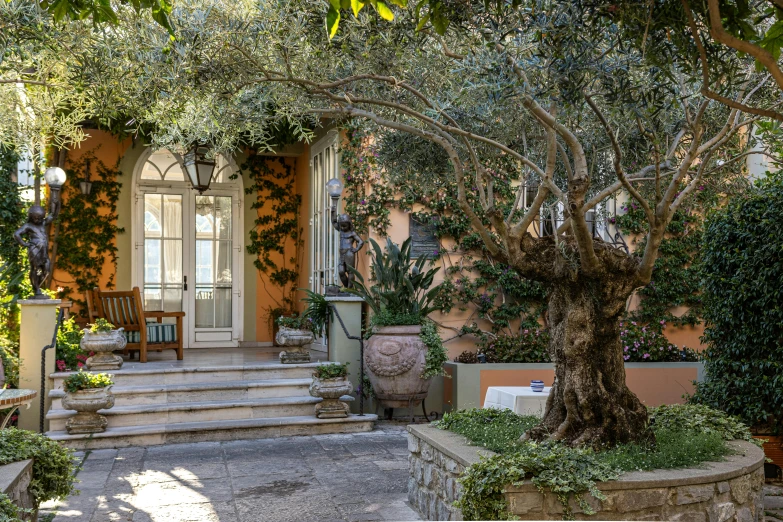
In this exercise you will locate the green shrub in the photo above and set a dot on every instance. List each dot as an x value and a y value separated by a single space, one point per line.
742 282
101 325
647 343
68 354
296 323
8 510
686 436
86 381
529 346
317 311
495 429
9 354
331 371
53 467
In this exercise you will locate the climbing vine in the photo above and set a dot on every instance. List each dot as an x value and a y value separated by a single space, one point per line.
277 236
86 230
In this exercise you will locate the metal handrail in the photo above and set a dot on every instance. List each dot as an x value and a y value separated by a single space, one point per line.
53 344
361 357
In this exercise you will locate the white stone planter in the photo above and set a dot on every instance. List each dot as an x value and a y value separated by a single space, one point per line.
103 344
330 390
87 403
294 341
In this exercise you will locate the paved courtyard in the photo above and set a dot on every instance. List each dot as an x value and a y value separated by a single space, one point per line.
318 478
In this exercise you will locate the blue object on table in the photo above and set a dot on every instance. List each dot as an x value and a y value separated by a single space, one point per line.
537 386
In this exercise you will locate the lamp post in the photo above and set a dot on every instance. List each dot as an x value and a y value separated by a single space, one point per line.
334 187
199 168
55 177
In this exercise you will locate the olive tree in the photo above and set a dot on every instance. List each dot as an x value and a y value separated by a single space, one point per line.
548 92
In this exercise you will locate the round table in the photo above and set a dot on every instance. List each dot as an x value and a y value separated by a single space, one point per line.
519 399
14 399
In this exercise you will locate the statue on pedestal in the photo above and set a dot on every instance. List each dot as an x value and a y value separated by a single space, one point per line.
348 237
36 230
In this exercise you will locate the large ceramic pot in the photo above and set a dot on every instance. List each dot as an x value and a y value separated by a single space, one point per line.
87 403
394 359
103 344
294 341
330 390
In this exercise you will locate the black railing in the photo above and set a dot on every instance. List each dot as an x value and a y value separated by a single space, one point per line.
361 357
42 398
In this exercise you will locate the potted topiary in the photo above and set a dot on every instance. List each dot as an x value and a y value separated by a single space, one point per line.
404 350
103 339
87 393
330 382
294 333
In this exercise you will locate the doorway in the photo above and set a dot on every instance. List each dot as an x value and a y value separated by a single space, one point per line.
187 254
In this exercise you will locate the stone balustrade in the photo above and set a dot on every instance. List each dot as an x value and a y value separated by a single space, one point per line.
725 491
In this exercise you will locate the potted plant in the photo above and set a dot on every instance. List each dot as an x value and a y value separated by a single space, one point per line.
87 393
103 339
330 382
294 333
404 350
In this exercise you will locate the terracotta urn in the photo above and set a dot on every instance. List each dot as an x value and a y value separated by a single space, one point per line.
103 344
330 390
394 359
87 403
294 341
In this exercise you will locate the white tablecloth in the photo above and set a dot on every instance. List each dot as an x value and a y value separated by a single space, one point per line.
519 399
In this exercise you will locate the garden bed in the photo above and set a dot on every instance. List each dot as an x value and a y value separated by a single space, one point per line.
655 383
715 491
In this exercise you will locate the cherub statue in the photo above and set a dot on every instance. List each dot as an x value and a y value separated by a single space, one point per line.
348 236
37 246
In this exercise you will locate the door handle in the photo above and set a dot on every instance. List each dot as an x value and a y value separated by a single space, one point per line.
184 283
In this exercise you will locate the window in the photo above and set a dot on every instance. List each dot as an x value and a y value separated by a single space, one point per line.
324 165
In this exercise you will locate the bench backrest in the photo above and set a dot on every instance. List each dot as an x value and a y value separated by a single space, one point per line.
122 309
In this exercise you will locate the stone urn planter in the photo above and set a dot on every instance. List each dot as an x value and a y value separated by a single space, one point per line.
87 403
294 341
330 390
103 344
394 359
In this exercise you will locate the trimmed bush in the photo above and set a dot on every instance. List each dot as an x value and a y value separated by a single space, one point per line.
742 281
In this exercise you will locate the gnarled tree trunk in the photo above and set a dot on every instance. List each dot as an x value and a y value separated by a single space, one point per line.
589 402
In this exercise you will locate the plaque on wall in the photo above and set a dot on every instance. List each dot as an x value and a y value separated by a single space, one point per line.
424 242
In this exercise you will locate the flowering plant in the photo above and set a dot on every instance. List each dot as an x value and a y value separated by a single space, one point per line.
647 343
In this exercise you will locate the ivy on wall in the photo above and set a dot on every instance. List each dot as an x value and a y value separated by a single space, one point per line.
86 228
277 233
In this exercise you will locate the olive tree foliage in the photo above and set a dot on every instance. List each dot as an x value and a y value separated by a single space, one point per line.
541 92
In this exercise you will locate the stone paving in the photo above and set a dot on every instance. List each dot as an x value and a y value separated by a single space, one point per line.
324 478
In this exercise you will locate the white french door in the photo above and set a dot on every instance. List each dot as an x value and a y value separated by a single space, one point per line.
324 239
187 260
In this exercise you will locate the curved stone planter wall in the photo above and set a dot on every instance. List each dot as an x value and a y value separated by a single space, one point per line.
15 482
717 492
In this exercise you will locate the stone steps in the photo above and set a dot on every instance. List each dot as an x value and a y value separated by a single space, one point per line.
147 394
201 411
162 404
193 375
151 435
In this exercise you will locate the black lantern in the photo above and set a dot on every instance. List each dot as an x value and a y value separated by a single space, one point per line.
85 186
198 167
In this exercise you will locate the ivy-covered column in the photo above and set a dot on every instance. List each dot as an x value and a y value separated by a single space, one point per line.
38 320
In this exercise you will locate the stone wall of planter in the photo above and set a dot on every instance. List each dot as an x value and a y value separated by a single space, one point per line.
15 480
653 383
716 492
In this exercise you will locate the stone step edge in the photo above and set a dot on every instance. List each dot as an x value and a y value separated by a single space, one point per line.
198 369
196 405
196 387
126 431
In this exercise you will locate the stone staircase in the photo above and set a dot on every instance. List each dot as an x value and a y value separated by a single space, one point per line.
167 405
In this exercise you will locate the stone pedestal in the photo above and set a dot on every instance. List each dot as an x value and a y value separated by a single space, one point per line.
294 342
342 349
38 319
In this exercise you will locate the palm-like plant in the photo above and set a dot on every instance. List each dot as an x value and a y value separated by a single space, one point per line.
317 311
401 285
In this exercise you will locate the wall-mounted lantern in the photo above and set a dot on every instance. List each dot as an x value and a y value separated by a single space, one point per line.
199 168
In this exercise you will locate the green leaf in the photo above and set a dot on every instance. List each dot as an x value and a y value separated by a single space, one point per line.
384 10
332 21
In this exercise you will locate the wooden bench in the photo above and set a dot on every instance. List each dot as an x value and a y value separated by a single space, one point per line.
125 310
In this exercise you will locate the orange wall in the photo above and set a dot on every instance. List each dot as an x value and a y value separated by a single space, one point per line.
107 149
653 386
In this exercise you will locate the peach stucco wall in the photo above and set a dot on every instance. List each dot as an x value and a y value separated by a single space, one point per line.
107 149
653 386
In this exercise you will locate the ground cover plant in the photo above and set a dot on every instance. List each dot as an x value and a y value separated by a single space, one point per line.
82 380
686 436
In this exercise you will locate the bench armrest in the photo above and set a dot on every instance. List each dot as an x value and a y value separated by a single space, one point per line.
163 314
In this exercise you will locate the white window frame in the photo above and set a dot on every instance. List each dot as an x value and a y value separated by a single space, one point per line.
324 239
